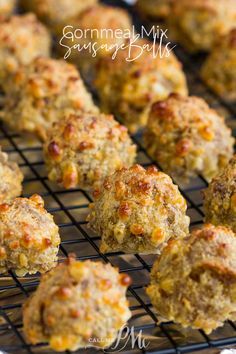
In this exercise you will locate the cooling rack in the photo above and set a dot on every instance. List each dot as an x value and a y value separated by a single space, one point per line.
70 209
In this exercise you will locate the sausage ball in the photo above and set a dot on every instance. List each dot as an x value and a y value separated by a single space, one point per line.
154 9
7 7
187 138
128 88
194 281
11 179
29 238
198 24
92 35
81 150
41 93
77 305
56 13
220 197
22 39
138 211
219 70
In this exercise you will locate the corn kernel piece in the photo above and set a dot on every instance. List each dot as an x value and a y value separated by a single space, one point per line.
136 229
4 207
64 342
183 147
64 293
50 320
37 199
23 260
120 190
14 245
124 210
206 133
75 313
105 284
26 240
36 90
167 285
69 132
158 236
70 176
54 151
83 330
125 280
3 254
78 270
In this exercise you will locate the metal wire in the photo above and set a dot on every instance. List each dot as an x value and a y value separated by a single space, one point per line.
70 209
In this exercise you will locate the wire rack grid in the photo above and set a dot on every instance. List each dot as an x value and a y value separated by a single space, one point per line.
70 209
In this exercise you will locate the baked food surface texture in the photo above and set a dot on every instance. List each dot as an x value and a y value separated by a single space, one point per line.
138 211
155 9
220 197
56 13
93 35
193 282
77 305
187 138
219 70
11 179
82 149
129 87
29 239
198 24
22 39
41 93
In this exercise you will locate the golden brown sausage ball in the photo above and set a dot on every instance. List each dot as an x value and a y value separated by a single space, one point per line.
81 150
187 137
194 281
11 179
29 238
138 211
7 7
41 93
128 88
219 70
154 9
220 197
77 305
56 13
22 39
94 28
198 24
